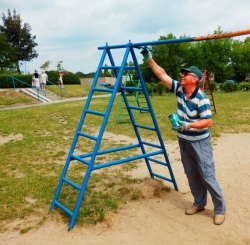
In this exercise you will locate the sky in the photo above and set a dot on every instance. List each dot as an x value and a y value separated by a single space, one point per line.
72 30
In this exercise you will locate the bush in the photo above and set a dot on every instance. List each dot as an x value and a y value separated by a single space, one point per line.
229 87
159 88
6 81
149 89
131 83
213 86
69 78
245 86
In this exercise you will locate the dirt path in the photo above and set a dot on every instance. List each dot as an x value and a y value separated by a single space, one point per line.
160 221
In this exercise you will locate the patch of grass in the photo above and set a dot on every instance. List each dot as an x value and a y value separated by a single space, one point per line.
164 188
73 91
136 193
31 167
13 97
26 229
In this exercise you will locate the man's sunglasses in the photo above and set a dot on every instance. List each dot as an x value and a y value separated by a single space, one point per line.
187 73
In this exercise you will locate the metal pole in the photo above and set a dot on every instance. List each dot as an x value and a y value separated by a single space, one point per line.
179 40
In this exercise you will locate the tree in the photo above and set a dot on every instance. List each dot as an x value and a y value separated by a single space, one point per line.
6 53
216 55
46 65
224 57
192 54
59 66
241 59
168 56
19 38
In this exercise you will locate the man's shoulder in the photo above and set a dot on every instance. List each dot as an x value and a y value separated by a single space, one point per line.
176 86
202 94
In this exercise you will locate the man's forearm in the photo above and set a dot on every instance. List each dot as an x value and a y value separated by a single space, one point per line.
160 73
204 123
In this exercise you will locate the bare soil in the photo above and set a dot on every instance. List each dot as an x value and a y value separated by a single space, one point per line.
161 220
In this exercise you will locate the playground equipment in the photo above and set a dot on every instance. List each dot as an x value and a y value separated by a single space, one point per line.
207 88
123 116
136 98
152 153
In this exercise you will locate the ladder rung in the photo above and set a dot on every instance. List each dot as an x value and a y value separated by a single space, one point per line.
162 177
132 88
118 67
139 108
88 136
109 67
66 210
79 159
102 90
95 112
143 126
156 161
151 144
71 183
133 158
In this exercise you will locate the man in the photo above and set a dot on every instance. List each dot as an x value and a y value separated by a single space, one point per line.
43 80
194 137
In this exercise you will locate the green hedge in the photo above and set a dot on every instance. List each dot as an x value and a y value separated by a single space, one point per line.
159 88
245 86
6 81
229 87
69 78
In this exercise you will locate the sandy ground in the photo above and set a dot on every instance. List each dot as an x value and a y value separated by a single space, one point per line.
162 220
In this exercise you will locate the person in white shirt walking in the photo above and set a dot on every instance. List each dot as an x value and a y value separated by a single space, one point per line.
43 80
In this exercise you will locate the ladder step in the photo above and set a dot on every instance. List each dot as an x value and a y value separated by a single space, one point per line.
162 177
87 136
80 159
107 90
132 88
156 161
151 144
145 127
123 160
96 112
66 210
117 67
71 183
139 108
109 67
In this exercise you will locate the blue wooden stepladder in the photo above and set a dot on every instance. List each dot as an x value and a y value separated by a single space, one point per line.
152 153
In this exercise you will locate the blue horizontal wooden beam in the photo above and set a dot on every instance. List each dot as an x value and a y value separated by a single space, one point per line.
178 40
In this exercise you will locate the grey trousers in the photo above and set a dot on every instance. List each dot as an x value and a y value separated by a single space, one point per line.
198 163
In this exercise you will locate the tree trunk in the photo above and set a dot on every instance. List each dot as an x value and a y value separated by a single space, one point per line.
18 67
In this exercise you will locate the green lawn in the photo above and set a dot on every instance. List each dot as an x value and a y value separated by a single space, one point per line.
31 163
